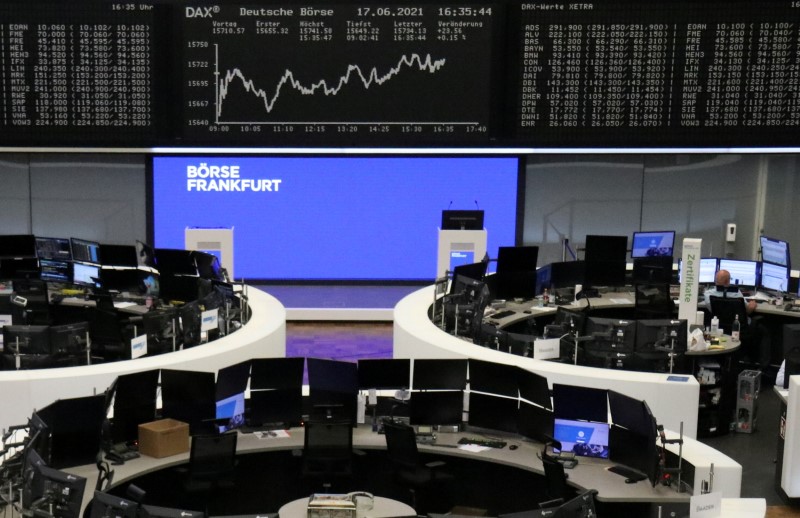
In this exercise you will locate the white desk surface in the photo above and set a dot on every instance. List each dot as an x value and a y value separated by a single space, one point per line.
382 508
744 507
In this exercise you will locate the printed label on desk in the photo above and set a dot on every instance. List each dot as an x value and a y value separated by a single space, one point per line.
138 346
678 378
209 320
706 506
547 348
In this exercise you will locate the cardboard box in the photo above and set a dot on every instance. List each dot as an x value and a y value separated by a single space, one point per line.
163 438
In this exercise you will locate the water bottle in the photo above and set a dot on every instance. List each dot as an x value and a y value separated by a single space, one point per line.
736 327
714 326
545 297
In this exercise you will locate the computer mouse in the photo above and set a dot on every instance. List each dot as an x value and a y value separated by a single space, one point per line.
513 447
527 311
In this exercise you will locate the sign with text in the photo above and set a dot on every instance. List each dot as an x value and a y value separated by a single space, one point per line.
138 346
690 271
706 506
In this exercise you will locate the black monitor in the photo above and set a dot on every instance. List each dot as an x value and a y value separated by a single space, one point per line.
17 246
661 335
276 373
390 373
19 268
462 220
515 276
119 255
583 438
188 396
492 412
775 251
161 327
69 339
605 260
774 277
190 315
85 274
75 427
53 248
106 505
438 407
582 506
566 321
334 384
208 266
652 270
152 511
134 404
743 273
175 261
276 408
29 339
31 462
440 375
533 387
55 271
493 378
38 436
611 335
230 388
653 244
85 251
565 274
580 403
55 492
474 271
630 413
535 422
145 255
635 450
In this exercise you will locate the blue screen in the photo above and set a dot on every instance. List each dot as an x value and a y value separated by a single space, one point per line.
582 438
332 218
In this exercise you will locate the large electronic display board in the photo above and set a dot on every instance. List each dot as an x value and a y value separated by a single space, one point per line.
331 218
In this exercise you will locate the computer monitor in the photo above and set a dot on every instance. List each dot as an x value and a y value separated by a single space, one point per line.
775 251
653 244
85 251
152 511
565 274
17 246
390 373
605 260
69 339
652 270
566 321
38 436
31 462
535 422
774 277
630 413
583 438
175 261
28 339
437 407
493 378
19 268
188 396
708 270
119 255
571 402
56 492
53 248
533 387
664 335
611 335
276 408
85 274
635 450
493 412
462 220
208 266
190 316
145 255
474 271
55 271
74 425
515 276
335 384
230 389
134 404
276 373
106 505
439 375
743 273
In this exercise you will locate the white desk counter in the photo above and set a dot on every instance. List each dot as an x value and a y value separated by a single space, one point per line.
264 336
672 402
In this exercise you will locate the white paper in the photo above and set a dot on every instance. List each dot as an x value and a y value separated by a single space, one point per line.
138 346
209 320
706 506
475 448
546 348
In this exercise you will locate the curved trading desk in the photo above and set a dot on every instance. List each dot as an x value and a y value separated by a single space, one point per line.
672 399
590 473
264 336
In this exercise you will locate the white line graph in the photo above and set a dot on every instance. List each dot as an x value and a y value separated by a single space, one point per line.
373 77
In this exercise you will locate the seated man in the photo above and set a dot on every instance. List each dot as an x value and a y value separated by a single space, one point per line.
757 340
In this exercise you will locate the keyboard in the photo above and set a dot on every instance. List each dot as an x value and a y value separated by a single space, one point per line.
482 442
627 473
502 314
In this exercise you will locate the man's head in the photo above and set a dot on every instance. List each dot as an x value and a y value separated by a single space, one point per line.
723 278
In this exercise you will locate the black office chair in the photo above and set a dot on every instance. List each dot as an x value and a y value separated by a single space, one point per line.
726 309
328 450
653 301
427 484
555 480
212 466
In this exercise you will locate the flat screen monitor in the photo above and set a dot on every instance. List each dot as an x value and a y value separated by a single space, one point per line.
230 389
188 396
278 408
533 387
439 375
190 316
580 403
75 429
517 259
63 491
743 273
19 268
53 248
332 375
17 246
708 270
493 378
31 462
612 335
630 413
474 271
69 339
652 270
127 279
535 422
774 277
605 260
175 261
462 220
775 251
568 321
55 271
492 412
152 511
145 255
515 276
664 335
564 274
85 251
653 244
208 266
134 404
85 274
583 438
276 373
119 255
29 339
38 436
106 505
231 408
634 450
437 407
390 373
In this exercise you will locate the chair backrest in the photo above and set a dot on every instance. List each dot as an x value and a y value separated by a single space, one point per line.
213 456
328 440
401 444
726 308
555 478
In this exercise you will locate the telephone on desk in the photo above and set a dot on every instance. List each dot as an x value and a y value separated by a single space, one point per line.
121 452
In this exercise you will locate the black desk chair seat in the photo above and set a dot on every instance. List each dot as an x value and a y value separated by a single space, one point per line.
212 467
328 450
555 480
726 309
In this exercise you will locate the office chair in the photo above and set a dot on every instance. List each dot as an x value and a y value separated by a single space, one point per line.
105 330
726 308
328 450
555 479
409 471
653 301
212 466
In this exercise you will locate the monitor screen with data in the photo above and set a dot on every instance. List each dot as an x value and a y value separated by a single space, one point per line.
743 273
775 251
774 277
582 438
